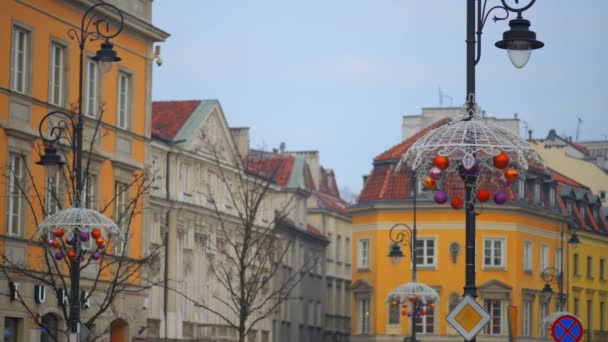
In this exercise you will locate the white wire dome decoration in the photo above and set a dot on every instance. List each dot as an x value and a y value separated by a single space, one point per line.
406 291
83 219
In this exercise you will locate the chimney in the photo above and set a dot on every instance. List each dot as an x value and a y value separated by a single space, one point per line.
529 134
241 139
516 116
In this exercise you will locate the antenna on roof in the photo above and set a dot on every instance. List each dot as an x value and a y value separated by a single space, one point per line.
443 95
282 147
578 128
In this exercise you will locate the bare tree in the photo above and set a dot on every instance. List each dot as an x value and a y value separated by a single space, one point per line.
250 254
106 273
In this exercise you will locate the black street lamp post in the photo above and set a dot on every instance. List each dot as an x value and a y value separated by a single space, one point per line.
519 41
69 128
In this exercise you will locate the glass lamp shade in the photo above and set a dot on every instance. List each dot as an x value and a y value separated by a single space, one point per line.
395 254
518 57
51 161
106 66
106 56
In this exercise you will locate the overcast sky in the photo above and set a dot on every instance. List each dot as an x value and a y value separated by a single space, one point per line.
338 75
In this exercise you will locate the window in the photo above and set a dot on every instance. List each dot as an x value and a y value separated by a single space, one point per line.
185 178
542 313
527 318
425 252
364 316
602 316
536 193
493 251
154 172
347 249
602 269
569 207
577 307
11 329
393 313
14 199
49 323
53 197
494 308
90 188
528 256
558 259
589 313
364 247
581 209
121 204
552 197
426 324
589 267
521 189
338 245
124 99
544 257
91 88
577 270
57 78
21 56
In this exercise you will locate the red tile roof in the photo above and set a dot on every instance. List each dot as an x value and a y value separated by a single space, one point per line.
327 183
334 203
560 178
168 117
277 166
395 152
313 230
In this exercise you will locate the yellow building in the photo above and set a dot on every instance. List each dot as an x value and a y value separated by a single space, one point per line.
39 73
515 242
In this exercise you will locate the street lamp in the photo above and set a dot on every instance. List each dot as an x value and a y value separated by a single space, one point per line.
77 223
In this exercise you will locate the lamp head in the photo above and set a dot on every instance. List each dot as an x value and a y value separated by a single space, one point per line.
519 42
51 161
395 254
547 290
574 240
106 55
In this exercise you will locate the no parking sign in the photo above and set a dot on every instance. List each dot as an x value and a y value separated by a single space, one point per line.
567 328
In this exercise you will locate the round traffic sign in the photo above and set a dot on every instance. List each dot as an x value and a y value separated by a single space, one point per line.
567 328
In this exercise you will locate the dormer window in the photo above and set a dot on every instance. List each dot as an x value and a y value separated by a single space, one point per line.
569 207
536 193
521 189
582 210
552 197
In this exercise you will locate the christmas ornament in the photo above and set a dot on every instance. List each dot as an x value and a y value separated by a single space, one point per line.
500 197
511 175
457 202
403 312
70 241
435 173
501 160
440 197
100 241
483 195
429 182
504 182
71 255
85 236
96 255
55 243
441 162
58 256
473 170
59 232
394 303
95 233
51 243
102 246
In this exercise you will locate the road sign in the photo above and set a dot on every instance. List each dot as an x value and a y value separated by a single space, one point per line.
468 317
567 328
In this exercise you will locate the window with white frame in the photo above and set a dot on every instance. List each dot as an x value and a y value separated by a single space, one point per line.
124 99
121 203
521 189
544 257
90 191
425 252
536 193
552 196
581 209
210 186
92 88
338 246
394 311
495 308
14 200
57 77
558 259
21 55
53 195
543 311
363 254
426 324
154 172
528 256
494 252
364 316
185 174
527 318
347 249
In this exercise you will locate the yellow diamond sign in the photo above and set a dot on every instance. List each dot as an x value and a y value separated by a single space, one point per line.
468 317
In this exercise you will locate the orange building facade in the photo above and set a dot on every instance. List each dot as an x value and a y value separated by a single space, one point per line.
39 73
515 242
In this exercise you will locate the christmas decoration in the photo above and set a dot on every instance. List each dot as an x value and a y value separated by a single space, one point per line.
440 197
501 161
84 236
51 243
59 233
58 256
500 197
56 244
511 175
435 173
71 255
441 162
429 182
504 182
96 255
457 202
483 195
95 233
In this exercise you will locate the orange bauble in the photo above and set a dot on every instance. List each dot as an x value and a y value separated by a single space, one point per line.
432 305
59 232
100 241
394 303
429 182
511 175
403 312
501 160
441 162
95 233
457 202
483 195
71 255
56 244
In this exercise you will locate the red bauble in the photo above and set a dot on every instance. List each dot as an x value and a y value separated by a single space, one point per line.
441 162
511 175
100 241
483 195
71 255
501 160
58 233
423 312
403 312
457 202
56 244
95 233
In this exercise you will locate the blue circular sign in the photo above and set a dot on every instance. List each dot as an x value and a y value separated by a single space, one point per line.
567 328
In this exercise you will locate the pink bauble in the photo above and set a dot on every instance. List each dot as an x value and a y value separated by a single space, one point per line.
440 197
500 197
51 243
435 173
504 182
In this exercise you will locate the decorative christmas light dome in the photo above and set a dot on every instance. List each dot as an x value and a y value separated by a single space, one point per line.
83 219
406 291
